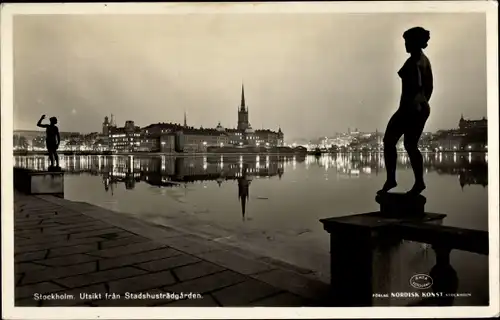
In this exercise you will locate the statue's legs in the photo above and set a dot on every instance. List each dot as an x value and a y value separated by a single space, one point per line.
393 132
56 157
412 134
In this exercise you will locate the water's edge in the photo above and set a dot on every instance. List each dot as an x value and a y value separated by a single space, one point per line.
159 233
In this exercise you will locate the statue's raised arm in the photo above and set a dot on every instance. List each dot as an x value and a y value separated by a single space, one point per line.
39 123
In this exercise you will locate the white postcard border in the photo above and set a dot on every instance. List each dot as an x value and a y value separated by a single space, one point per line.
8 10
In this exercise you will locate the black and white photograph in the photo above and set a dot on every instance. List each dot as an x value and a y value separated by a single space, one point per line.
320 158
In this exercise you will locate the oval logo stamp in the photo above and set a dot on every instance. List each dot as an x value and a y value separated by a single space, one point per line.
421 281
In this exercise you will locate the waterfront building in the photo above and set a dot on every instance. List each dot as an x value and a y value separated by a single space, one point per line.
198 140
471 135
156 129
101 144
236 137
266 137
160 137
174 137
38 143
73 142
106 126
468 125
449 140
475 134
89 140
103 141
184 138
36 138
126 138
20 142
148 143
245 135
31 135
167 142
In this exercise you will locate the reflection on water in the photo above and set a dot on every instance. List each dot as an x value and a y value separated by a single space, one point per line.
167 171
210 195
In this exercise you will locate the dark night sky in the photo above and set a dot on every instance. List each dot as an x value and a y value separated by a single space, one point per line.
313 74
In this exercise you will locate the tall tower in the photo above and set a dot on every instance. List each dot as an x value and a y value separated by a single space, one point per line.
242 112
185 119
105 126
461 122
281 138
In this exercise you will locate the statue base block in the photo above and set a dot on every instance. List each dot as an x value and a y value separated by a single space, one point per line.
401 204
39 182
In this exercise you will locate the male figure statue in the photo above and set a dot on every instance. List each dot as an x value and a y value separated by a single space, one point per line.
52 139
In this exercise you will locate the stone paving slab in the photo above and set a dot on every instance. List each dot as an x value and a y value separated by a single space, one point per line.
294 283
69 260
75 254
49 274
128 249
208 283
138 259
142 282
196 270
235 262
177 260
79 248
27 267
30 256
187 244
122 241
98 277
53 243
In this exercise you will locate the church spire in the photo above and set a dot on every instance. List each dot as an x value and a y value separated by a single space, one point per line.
185 119
242 98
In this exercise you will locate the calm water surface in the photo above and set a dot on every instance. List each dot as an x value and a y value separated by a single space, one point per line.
272 204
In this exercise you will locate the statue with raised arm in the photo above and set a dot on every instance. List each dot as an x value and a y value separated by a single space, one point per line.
414 110
52 140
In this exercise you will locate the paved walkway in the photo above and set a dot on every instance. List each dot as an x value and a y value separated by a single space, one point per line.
72 253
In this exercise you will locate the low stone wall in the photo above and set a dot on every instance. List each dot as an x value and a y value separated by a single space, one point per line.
39 182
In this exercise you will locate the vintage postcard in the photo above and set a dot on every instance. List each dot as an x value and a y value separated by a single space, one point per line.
250 160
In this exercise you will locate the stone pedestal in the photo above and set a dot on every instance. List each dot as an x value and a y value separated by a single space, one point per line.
352 245
39 182
354 241
401 204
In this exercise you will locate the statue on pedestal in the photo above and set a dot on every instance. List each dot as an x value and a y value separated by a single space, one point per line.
414 110
52 140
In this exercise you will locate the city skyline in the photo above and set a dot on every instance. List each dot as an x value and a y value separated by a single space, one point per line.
155 70
112 119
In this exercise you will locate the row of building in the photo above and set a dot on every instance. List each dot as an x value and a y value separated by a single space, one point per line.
160 137
471 135
174 137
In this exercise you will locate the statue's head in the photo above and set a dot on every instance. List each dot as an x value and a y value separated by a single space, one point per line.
53 120
416 39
